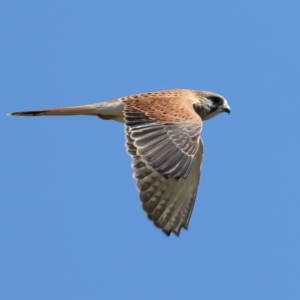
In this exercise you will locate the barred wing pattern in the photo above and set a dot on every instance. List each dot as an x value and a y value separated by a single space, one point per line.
167 153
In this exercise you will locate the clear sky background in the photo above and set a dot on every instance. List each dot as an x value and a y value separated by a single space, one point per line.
71 224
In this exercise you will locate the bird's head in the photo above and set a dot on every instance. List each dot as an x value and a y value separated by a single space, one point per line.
210 104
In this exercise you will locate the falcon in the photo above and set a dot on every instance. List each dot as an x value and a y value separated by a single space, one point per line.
163 138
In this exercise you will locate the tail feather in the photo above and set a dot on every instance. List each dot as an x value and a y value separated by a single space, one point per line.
66 111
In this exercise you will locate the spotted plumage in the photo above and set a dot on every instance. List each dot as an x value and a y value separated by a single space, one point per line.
163 138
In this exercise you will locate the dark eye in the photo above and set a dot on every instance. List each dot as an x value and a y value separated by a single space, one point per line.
216 100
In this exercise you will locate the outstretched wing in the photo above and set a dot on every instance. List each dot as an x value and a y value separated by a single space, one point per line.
163 138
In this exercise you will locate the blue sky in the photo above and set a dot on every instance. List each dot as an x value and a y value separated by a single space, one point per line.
71 225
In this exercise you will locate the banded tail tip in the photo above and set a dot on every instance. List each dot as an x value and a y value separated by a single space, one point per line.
27 113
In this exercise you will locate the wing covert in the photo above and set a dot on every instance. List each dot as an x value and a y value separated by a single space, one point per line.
165 133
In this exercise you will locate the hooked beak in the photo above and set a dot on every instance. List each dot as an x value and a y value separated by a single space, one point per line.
226 109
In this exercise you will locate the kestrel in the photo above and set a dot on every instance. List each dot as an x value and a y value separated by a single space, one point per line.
163 138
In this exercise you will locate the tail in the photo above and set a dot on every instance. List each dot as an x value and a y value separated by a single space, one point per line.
88 110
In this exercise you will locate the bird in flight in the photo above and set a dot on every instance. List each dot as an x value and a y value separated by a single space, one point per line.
163 138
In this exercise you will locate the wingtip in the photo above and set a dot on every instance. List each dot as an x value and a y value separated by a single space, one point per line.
167 232
176 231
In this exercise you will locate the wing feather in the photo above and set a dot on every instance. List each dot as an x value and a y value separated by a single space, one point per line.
167 154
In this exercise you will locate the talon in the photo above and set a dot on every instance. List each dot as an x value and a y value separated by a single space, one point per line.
106 117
